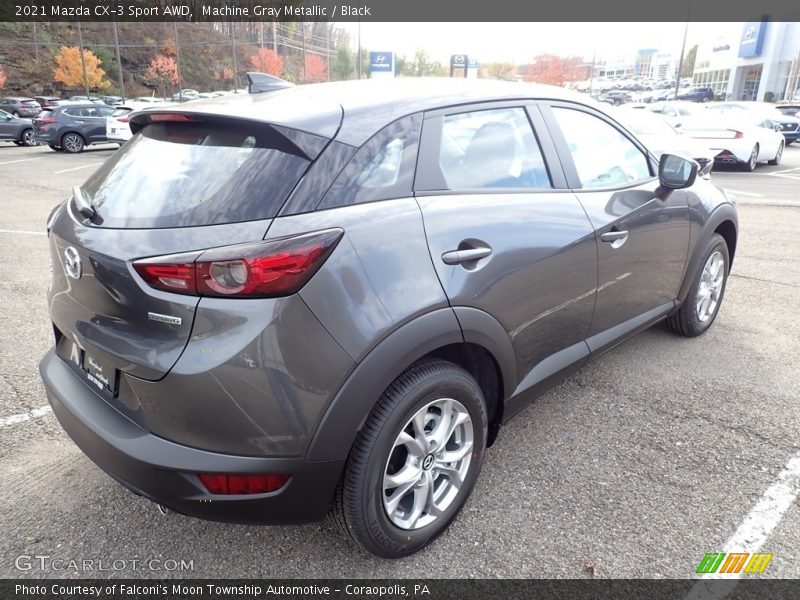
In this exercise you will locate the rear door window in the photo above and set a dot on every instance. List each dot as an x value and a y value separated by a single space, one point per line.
175 174
491 149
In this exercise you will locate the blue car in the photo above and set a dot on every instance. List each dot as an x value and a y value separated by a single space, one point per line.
697 94
72 127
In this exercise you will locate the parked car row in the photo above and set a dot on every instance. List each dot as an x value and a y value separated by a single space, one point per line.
738 133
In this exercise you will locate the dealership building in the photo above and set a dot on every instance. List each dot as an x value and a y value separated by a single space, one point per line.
751 61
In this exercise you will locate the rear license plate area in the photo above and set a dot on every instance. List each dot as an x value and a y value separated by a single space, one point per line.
100 374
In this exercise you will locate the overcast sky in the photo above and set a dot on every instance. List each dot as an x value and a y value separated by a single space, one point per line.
519 42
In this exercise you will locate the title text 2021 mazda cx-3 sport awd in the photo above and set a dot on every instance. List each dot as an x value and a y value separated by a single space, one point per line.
332 296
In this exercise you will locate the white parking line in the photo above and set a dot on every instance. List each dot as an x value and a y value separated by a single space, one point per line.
795 177
23 232
11 162
76 168
740 192
21 418
756 528
786 170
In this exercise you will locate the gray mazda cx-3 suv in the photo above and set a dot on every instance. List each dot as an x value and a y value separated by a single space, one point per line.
332 296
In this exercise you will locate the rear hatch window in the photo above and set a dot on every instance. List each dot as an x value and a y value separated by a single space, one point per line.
121 112
182 174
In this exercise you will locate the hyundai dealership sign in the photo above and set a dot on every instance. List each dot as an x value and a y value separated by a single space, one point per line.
752 39
381 64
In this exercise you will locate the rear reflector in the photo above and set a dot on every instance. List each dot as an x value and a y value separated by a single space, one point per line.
258 270
242 484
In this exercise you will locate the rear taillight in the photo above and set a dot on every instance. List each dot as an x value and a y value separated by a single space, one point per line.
242 484
122 119
258 270
737 135
45 121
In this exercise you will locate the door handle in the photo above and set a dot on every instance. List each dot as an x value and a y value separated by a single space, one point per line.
615 238
456 257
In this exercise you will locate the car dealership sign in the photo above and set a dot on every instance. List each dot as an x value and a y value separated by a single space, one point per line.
381 64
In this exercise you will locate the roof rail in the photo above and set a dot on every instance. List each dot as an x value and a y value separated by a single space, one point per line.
262 82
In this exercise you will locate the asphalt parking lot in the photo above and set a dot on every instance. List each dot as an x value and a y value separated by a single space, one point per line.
648 458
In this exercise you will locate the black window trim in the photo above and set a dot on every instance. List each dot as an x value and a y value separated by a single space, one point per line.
429 180
574 181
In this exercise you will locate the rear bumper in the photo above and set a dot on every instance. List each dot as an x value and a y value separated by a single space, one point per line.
165 472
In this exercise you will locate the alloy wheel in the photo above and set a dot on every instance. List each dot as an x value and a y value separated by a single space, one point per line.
72 143
751 164
428 463
29 138
711 281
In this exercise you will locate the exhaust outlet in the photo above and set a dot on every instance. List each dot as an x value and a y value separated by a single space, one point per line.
162 509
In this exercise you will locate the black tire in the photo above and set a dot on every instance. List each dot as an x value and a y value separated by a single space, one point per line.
72 143
751 164
358 507
56 148
28 138
686 321
777 160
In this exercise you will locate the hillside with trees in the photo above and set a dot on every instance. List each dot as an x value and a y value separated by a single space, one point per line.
44 58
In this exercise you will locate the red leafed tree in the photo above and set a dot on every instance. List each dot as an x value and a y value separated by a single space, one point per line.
267 61
163 70
554 70
316 69
2 79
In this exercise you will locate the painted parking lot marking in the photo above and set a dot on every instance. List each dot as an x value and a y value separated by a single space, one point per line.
77 168
11 162
22 417
23 232
744 193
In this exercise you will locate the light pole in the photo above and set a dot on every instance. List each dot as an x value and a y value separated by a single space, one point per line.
680 62
83 61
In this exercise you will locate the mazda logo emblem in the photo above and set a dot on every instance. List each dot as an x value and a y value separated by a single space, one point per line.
72 263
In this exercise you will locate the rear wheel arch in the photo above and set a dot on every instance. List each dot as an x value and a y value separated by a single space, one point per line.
435 334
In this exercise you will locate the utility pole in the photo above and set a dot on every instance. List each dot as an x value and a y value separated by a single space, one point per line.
303 26
261 33
119 61
591 75
358 55
680 62
35 42
178 63
328 50
83 61
274 37
233 51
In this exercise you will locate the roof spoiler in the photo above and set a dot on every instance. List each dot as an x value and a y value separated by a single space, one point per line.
261 82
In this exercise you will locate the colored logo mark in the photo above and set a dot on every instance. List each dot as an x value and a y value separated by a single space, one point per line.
734 562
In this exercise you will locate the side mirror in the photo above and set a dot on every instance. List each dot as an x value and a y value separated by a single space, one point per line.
777 127
676 172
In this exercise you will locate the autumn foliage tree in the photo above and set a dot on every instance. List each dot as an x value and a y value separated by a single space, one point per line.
2 79
554 70
162 70
267 61
316 69
69 70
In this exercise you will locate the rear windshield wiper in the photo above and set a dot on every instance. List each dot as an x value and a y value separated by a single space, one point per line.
85 206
